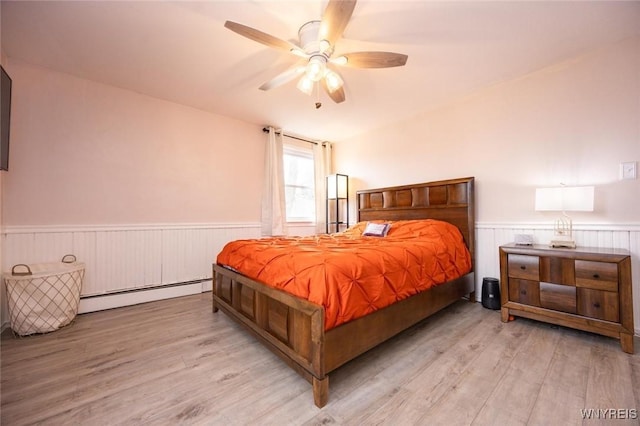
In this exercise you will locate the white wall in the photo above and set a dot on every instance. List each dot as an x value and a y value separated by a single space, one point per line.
87 153
572 123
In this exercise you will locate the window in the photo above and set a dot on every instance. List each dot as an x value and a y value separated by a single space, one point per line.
299 184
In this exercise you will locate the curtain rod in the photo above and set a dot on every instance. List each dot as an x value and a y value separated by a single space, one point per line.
264 129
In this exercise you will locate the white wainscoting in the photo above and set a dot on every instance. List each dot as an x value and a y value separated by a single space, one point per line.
122 258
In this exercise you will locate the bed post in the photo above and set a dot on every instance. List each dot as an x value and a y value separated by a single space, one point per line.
214 307
471 242
320 391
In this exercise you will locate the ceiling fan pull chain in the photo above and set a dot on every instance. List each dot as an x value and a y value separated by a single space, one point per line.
318 103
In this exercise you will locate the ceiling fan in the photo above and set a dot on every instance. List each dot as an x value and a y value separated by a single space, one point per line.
317 42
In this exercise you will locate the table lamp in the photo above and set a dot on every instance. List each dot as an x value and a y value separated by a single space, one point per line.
564 199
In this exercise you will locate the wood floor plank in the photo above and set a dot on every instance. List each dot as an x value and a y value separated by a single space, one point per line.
370 375
563 391
523 377
176 362
428 382
610 383
463 398
417 352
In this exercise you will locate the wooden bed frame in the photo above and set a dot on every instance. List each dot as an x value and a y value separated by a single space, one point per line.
293 328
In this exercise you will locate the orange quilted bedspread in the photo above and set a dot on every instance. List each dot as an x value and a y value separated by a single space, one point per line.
353 275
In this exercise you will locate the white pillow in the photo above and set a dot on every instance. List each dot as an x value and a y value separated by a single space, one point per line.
376 229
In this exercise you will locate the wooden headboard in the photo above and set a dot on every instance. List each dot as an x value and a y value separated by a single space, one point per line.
447 200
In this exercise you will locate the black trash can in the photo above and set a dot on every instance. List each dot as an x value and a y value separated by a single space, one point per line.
490 293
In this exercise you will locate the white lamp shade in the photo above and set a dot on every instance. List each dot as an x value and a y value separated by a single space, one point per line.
305 85
565 198
337 186
334 82
316 67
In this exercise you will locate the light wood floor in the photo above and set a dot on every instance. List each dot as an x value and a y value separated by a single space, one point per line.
175 362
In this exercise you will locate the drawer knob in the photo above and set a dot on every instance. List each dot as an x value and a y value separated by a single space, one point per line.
596 305
596 276
523 292
523 267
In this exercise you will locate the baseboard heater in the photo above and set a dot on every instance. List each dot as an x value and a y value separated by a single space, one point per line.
134 296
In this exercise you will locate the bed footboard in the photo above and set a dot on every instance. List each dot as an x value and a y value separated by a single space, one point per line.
290 327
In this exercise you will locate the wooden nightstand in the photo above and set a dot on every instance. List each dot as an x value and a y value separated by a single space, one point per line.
584 288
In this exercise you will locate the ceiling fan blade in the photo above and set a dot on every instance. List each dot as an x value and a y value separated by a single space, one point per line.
260 37
335 19
373 59
283 77
337 95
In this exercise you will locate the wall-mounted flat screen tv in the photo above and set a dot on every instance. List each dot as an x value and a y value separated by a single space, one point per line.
5 118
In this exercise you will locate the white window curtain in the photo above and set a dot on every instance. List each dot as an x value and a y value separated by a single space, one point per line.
323 167
274 213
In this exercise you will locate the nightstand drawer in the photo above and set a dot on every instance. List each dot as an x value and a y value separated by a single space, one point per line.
597 275
524 267
558 297
524 291
599 304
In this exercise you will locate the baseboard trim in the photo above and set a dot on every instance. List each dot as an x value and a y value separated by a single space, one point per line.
142 295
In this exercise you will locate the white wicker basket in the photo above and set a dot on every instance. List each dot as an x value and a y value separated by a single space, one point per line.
43 297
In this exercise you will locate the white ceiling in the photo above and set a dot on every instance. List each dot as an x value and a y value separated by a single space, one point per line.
181 52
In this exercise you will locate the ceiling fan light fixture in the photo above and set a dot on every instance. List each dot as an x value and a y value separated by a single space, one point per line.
305 85
333 80
316 67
